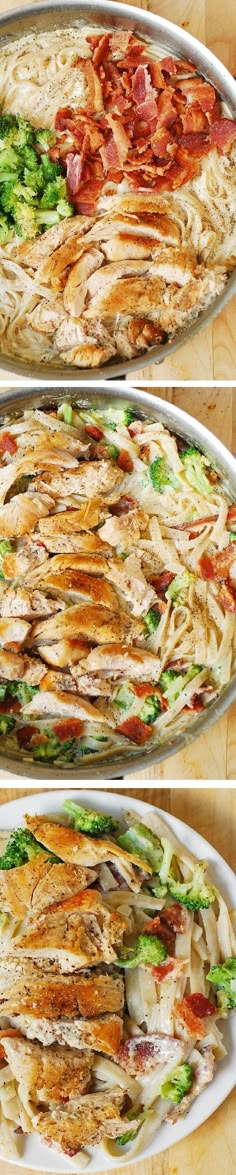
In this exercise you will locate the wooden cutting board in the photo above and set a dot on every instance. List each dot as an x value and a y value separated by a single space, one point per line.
211 1148
212 353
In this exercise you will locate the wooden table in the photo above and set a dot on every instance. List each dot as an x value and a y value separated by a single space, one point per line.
212 1146
212 354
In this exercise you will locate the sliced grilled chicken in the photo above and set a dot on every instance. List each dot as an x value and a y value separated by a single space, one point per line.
31 254
92 685
13 632
21 514
74 543
11 666
21 602
124 532
95 1117
90 353
18 564
103 1034
64 653
80 272
88 479
47 316
56 680
74 846
130 581
95 623
62 997
88 515
39 883
78 585
77 932
96 564
60 703
34 670
121 659
142 295
48 1075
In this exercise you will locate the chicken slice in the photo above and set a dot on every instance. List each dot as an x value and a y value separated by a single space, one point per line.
103 1034
53 270
75 933
40 883
124 532
150 212
48 1075
34 670
143 295
121 659
63 997
88 515
93 622
130 581
93 684
88 479
140 1054
79 848
32 253
184 305
55 680
73 542
64 653
203 1073
95 564
21 514
17 564
47 316
13 632
97 1116
80 272
11 666
90 354
77 585
60 703
20 602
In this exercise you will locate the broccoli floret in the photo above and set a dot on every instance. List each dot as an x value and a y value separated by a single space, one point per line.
195 466
232 536
172 683
94 823
164 871
30 160
25 220
150 710
65 209
151 621
22 691
34 181
44 139
148 950
178 1084
223 976
196 894
129 416
7 723
20 848
124 697
139 839
55 749
22 133
5 230
6 123
50 170
55 190
178 589
131 1134
3 690
161 475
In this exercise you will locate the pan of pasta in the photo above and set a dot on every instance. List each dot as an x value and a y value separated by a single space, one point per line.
117 981
117 188
117 581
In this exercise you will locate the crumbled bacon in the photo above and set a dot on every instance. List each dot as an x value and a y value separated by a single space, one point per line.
69 728
125 461
149 122
227 597
25 734
134 729
162 581
192 1014
7 444
218 566
123 506
159 973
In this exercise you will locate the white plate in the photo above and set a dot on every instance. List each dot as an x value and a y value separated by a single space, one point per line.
33 1153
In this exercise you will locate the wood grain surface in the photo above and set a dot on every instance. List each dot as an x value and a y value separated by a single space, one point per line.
212 813
212 354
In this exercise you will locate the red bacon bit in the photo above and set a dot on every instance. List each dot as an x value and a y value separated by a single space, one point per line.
10 706
176 917
70 728
222 134
218 566
101 50
94 432
195 704
161 141
231 516
62 116
125 461
123 506
144 689
74 168
162 581
159 973
227 597
141 85
169 65
7 444
184 1011
195 89
193 119
88 196
157 77
164 933
197 144
25 733
166 108
134 729
206 567
199 1005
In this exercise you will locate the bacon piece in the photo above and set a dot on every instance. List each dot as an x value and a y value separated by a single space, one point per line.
94 102
231 516
196 144
94 432
227 597
195 89
145 689
115 150
163 932
7 444
69 728
169 65
184 1012
199 1005
123 506
161 140
62 116
218 566
148 110
101 50
193 119
141 85
134 729
88 196
166 108
177 917
74 169
222 134
162 581
159 973
156 74
25 733
125 461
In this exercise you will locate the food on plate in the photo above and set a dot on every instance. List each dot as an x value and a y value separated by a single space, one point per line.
111 997
117 606
117 196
